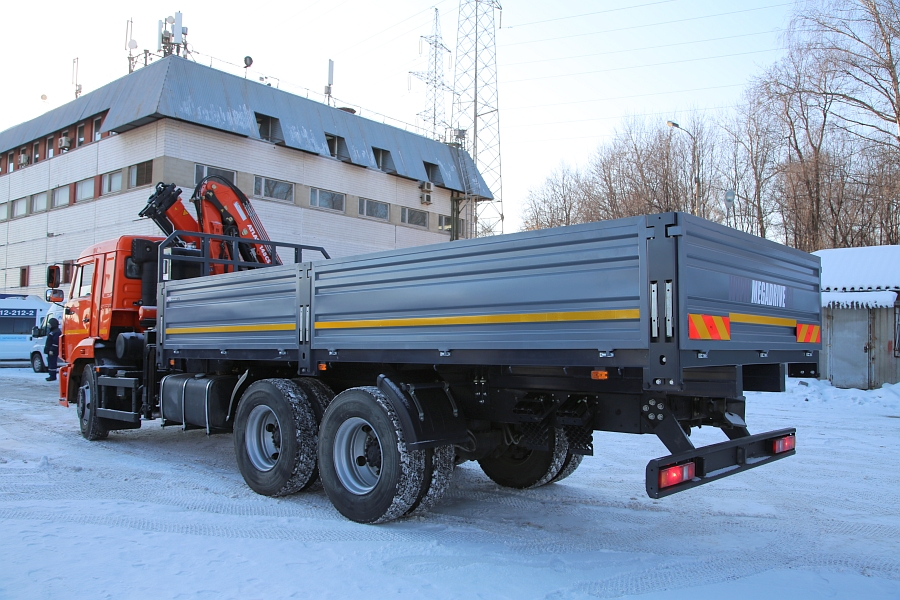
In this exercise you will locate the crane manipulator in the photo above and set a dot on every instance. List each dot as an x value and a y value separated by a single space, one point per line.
223 210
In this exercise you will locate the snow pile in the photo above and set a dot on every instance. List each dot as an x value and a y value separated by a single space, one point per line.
822 392
883 299
860 269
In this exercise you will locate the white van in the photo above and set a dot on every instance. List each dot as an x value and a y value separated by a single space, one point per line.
18 316
38 356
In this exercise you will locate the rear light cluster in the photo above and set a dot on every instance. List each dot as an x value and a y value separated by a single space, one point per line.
678 474
784 444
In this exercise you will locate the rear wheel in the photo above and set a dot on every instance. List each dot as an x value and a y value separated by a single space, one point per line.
440 463
520 467
367 471
37 363
92 426
275 438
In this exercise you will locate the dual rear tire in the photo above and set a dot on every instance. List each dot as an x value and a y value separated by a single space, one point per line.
519 467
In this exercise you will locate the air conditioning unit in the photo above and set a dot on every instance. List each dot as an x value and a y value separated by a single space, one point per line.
426 186
425 198
23 160
64 143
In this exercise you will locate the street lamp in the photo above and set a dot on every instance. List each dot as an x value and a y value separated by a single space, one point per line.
695 168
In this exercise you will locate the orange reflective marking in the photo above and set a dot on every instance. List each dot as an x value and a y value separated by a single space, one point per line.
709 327
810 334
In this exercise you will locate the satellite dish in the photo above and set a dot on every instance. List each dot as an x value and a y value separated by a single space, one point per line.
170 20
247 61
132 44
44 97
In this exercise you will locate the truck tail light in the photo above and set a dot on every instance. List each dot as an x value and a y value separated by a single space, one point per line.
678 474
784 444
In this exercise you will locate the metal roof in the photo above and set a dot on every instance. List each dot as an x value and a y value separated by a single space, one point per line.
180 89
870 268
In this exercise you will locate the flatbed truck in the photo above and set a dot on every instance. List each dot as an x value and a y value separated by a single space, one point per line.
379 373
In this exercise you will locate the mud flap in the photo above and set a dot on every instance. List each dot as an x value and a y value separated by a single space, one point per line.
427 412
718 460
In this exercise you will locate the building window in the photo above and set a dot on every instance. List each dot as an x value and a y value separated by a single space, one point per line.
273 189
383 160
39 202
337 147
141 174
64 141
202 171
326 199
411 216
84 190
97 122
24 273
434 173
111 182
19 207
376 210
445 224
10 162
50 147
36 155
79 136
60 197
24 159
269 128
4 211
66 271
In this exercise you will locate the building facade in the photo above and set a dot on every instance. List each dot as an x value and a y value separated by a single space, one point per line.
316 175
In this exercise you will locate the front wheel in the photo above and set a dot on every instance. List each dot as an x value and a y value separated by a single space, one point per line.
37 363
367 471
275 438
92 426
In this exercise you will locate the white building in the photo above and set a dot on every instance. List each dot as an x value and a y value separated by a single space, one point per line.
317 175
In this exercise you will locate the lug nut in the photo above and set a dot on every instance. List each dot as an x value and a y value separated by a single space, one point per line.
645 408
659 417
651 416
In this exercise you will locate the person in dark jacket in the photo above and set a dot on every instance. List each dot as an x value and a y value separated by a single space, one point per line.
51 347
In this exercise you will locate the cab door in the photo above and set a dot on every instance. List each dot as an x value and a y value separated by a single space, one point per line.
79 312
105 287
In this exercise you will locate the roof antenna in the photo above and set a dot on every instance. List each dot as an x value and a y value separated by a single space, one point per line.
328 98
248 60
75 77
130 45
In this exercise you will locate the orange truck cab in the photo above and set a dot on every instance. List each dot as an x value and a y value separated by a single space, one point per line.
105 299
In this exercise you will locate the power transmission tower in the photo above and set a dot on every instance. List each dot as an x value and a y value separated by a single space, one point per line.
476 107
433 115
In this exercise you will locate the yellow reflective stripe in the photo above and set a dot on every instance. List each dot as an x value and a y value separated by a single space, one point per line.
76 332
761 320
232 328
554 317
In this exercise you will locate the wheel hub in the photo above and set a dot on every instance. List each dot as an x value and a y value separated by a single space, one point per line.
357 456
263 438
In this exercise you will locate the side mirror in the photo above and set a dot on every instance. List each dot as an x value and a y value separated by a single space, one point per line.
53 278
36 332
56 296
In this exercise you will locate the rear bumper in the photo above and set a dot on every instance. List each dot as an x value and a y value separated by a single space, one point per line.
718 461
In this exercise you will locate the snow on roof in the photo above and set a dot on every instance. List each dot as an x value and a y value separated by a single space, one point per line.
860 269
859 299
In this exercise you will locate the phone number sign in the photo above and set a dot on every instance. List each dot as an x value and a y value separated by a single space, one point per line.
18 312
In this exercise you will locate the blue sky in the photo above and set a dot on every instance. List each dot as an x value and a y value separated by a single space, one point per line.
569 71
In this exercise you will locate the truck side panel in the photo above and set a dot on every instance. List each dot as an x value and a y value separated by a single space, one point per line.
763 289
573 288
259 311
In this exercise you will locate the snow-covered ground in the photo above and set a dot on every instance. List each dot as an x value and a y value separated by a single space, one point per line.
165 514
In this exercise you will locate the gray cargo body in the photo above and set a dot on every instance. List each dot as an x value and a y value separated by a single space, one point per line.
591 295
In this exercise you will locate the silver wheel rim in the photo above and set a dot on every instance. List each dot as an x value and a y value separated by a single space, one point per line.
357 456
37 363
263 438
85 405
